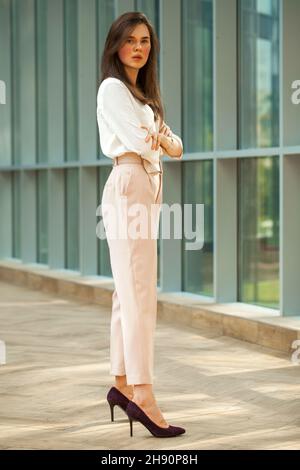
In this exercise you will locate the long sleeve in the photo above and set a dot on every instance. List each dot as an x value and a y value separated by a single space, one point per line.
115 104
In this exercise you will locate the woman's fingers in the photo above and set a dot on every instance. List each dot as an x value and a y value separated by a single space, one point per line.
155 138
156 143
149 135
166 130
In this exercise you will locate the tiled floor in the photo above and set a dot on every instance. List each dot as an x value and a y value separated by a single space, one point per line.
228 394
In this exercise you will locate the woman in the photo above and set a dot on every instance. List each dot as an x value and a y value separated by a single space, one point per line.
134 134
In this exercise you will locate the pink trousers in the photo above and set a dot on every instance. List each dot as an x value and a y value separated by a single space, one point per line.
131 203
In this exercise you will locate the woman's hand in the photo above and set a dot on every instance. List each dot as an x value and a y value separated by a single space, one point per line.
164 129
159 139
156 138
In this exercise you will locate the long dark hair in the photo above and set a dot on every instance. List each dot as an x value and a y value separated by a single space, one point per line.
148 91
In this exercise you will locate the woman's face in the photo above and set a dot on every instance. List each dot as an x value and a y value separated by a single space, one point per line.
137 43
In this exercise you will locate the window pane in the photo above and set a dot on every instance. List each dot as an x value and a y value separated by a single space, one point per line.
106 13
16 216
258 231
5 83
23 82
198 264
71 79
197 79
42 78
258 36
15 84
72 219
151 9
42 217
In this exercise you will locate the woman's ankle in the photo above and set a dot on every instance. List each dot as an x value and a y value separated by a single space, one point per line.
121 381
143 394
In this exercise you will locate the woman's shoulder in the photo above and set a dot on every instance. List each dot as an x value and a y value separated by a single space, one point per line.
107 82
112 80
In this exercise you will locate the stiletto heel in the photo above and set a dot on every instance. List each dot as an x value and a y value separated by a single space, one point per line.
111 410
115 397
130 421
135 413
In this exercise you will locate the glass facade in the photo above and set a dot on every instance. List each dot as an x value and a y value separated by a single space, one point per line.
105 13
71 78
42 79
197 130
197 76
72 219
15 83
16 215
258 231
54 170
258 41
258 126
197 265
42 216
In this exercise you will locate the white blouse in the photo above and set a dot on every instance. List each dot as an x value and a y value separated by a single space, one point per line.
119 116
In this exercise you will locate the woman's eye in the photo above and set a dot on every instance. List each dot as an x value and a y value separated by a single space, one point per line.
130 40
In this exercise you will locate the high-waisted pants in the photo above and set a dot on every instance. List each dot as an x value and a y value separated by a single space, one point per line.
134 267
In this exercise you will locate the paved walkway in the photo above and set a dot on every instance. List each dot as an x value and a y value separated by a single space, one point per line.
228 394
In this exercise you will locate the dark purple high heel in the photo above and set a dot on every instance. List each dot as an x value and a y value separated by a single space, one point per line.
135 413
115 397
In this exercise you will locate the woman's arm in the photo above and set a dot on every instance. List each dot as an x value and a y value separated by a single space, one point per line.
172 146
171 143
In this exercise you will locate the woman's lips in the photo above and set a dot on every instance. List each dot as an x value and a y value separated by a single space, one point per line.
137 58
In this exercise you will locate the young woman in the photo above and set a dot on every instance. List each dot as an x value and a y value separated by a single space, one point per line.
133 133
